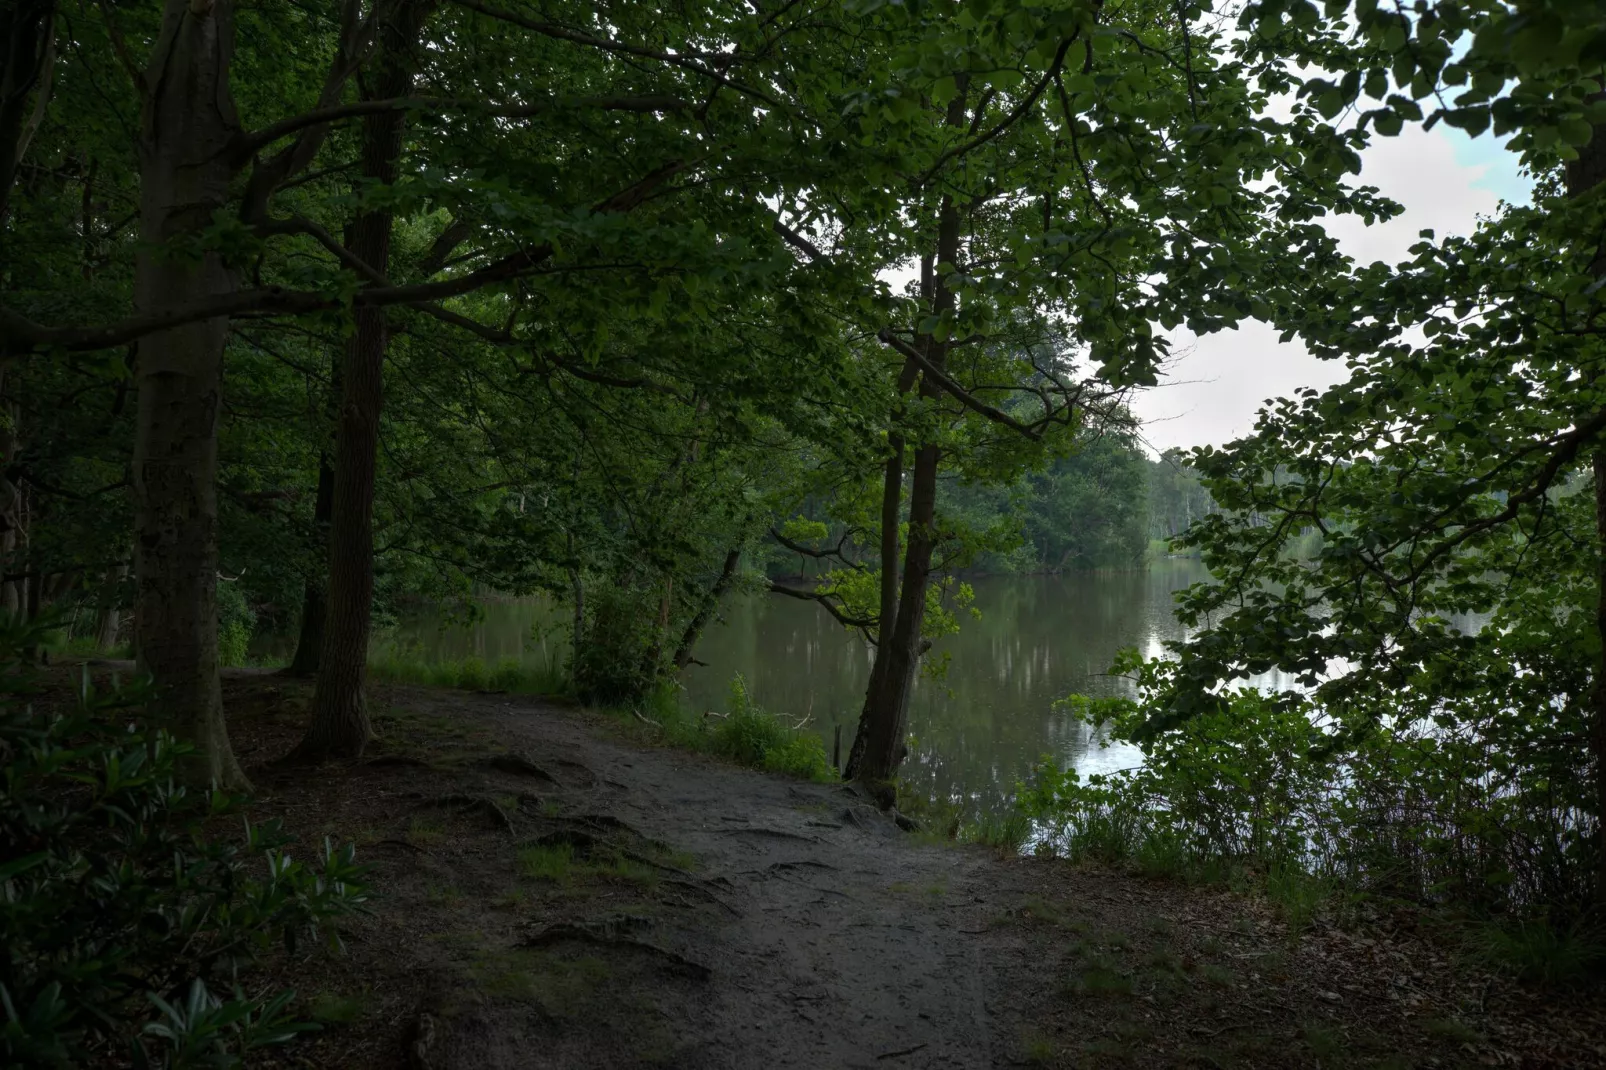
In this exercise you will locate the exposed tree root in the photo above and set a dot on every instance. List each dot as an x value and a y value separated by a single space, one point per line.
472 802
380 761
580 841
608 934
699 892
781 834
807 862
518 765
421 1040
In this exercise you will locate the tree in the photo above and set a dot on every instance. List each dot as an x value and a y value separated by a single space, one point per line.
1047 194
1460 471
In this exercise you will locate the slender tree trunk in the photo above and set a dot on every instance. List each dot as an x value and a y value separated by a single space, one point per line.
11 520
887 613
705 612
339 726
107 618
1583 175
577 587
878 745
315 593
189 123
1597 726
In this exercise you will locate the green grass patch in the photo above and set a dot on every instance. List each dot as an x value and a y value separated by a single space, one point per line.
467 674
553 862
1103 980
745 734
1541 953
423 831
1008 833
337 1008
1296 895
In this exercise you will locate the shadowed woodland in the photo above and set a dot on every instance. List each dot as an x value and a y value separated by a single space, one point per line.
314 311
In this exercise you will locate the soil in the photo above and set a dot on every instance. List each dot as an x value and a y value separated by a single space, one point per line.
554 891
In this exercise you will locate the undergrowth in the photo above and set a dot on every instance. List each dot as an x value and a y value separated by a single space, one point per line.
467 674
745 734
1258 795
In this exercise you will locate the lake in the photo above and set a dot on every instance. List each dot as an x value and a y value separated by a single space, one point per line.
979 728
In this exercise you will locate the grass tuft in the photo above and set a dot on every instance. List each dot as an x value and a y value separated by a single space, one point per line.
547 862
1539 952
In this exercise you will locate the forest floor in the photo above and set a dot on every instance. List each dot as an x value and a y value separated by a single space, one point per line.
554 893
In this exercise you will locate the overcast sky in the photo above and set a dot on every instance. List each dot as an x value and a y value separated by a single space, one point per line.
1444 179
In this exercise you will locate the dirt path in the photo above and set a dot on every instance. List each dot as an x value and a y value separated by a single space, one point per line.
556 895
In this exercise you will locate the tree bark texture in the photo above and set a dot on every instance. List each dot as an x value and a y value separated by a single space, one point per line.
705 612
315 593
26 55
339 726
887 610
108 619
1583 175
1597 725
878 746
188 124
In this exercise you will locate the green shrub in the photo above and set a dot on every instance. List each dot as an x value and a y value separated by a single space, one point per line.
509 675
236 621
1009 832
471 674
802 756
751 736
121 918
1539 952
619 661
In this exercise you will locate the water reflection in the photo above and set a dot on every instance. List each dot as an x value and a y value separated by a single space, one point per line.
981 726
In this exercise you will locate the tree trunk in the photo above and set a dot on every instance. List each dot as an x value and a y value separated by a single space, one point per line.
1597 726
705 612
27 56
878 746
12 535
339 727
189 123
1583 175
315 594
887 613
108 620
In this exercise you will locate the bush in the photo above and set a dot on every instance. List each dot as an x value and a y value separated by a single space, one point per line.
121 917
236 621
619 661
1452 801
751 736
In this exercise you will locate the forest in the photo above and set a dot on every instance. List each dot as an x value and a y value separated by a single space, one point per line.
311 309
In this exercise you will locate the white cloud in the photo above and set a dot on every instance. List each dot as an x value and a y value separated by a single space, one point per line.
1219 382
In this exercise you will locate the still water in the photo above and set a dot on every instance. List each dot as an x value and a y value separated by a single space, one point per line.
979 728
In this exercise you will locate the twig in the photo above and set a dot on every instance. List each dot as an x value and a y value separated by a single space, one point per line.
902 1051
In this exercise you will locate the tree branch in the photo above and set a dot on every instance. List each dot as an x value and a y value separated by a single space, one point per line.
686 61
253 142
1007 121
836 552
959 393
798 241
19 334
824 600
